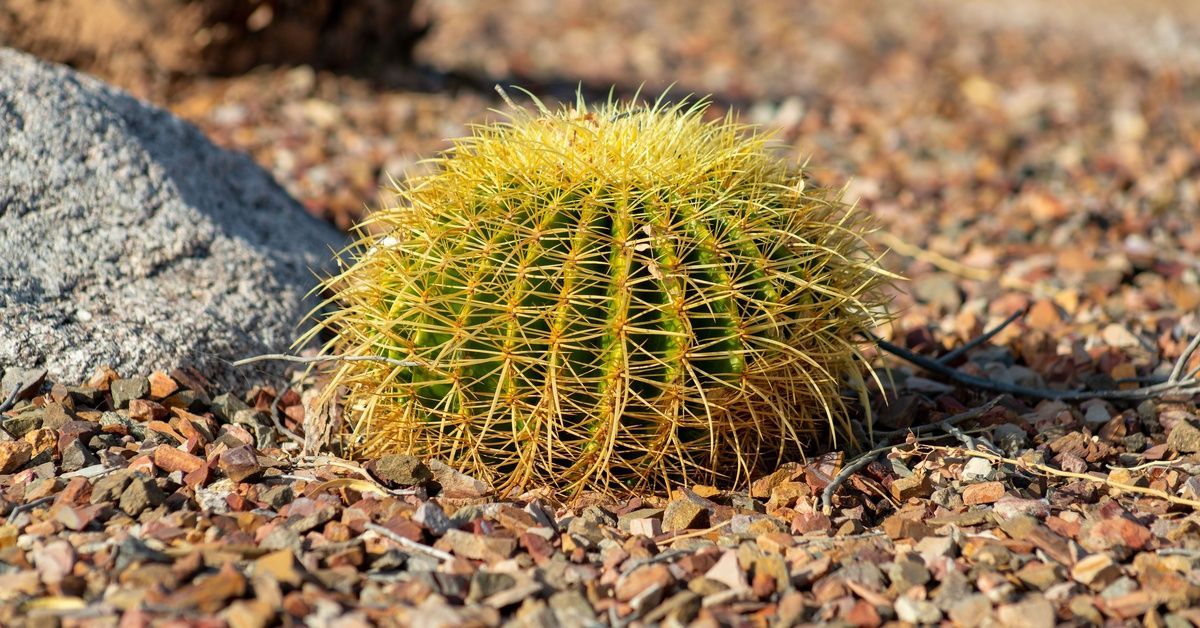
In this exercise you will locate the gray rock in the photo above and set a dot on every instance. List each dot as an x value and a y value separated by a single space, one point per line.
1010 437
970 610
863 572
586 528
598 515
456 483
741 500
954 587
977 470
401 470
429 515
304 523
485 584
571 608
26 382
280 538
917 611
939 290
86 395
132 550
141 493
256 423
109 487
227 405
277 496
133 428
1184 437
906 573
126 390
479 547
190 400
76 456
24 423
129 239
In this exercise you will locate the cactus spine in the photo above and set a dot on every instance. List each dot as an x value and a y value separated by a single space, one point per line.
618 298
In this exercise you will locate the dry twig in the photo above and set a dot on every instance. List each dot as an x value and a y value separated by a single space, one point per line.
312 462
409 543
294 437
858 463
30 506
954 354
1184 387
696 533
937 260
11 400
850 469
1183 360
283 357
1048 470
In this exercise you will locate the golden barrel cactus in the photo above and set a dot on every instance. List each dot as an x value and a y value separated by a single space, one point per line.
617 298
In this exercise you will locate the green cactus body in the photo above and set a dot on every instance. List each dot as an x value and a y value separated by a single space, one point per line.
617 299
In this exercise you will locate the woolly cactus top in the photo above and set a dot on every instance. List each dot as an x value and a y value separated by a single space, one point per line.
612 298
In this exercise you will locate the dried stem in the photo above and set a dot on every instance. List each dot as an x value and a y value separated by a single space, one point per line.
283 357
294 437
978 340
1183 360
936 259
11 400
858 463
1187 386
1048 470
850 469
12 516
694 534
409 543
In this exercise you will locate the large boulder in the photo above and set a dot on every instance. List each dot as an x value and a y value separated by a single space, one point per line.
128 239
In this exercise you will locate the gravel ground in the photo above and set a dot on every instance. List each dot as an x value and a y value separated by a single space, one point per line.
1027 160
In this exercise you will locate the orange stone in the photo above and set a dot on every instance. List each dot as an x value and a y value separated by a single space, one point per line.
161 385
983 493
1043 315
170 459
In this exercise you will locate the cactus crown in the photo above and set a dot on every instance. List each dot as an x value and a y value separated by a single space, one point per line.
614 298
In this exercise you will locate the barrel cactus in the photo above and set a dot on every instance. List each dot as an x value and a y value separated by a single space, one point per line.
611 298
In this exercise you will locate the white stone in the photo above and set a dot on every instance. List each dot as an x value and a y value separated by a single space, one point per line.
977 470
917 611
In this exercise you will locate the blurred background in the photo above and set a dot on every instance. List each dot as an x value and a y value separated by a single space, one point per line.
1015 153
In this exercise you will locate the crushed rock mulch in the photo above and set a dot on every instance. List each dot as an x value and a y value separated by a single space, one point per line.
156 500
1013 167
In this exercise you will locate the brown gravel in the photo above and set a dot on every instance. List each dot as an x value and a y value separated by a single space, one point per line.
109 517
1019 158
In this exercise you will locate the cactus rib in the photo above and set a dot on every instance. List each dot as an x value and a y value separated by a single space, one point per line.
606 299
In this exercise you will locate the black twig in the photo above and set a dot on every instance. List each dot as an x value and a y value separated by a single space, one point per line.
850 469
279 422
1183 360
968 441
978 340
947 425
1187 386
11 400
30 505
